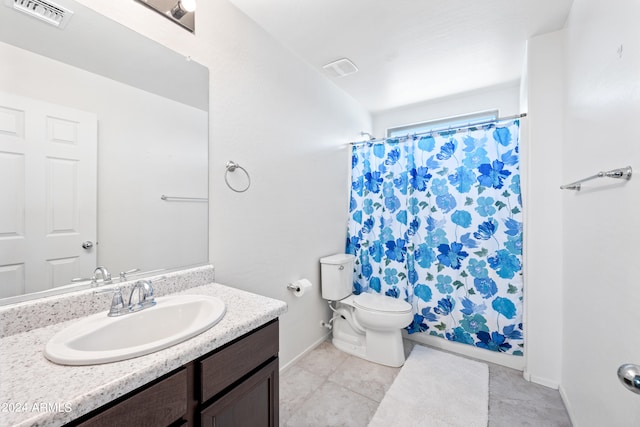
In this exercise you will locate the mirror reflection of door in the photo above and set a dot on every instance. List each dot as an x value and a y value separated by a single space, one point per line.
48 194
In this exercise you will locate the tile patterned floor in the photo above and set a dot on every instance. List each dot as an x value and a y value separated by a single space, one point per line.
330 388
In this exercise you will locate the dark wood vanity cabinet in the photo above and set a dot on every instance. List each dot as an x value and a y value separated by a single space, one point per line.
233 391
254 402
233 386
158 404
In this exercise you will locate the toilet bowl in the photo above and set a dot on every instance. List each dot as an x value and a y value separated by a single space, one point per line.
382 313
367 325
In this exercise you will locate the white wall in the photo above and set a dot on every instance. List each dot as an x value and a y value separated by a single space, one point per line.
601 229
542 200
505 98
147 146
288 126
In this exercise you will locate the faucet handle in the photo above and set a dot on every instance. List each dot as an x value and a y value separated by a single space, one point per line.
117 304
123 274
92 279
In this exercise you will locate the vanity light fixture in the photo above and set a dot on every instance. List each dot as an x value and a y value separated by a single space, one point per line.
182 12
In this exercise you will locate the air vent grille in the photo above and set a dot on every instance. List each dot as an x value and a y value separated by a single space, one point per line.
46 11
341 67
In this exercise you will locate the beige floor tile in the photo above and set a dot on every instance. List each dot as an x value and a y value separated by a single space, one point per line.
329 388
296 386
323 360
334 406
518 413
367 378
513 401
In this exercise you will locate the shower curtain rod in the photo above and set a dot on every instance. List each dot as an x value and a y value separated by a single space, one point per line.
499 119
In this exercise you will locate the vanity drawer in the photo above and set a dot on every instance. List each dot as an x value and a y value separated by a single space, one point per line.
160 404
239 358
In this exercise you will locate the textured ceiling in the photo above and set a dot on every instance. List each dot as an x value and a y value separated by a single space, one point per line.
410 51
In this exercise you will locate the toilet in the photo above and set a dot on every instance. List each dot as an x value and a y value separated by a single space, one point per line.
367 325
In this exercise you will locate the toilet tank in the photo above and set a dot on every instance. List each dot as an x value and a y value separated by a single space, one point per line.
337 276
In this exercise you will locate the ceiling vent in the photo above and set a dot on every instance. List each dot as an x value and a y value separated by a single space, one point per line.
46 11
341 67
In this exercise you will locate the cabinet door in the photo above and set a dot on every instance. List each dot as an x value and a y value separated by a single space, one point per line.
254 402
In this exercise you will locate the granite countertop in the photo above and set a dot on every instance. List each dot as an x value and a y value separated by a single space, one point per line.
37 392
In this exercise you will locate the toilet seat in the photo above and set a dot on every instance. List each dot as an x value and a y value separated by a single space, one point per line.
381 303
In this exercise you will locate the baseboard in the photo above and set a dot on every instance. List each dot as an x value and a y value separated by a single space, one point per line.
304 353
567 405
513 362
539 380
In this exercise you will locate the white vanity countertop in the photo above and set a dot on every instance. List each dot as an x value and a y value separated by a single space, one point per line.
37 392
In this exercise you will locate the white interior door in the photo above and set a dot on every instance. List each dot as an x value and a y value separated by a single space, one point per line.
48 194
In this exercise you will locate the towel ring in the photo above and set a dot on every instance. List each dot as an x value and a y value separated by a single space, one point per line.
231 166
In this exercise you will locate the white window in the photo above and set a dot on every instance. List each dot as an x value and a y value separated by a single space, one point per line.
442 124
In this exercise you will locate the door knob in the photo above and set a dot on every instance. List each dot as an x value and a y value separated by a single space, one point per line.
87 245
629 376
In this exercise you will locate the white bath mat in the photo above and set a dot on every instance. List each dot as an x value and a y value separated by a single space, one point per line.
436 389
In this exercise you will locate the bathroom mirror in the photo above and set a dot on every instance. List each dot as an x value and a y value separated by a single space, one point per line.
147 108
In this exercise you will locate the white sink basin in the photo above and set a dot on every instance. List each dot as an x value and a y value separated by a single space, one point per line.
102 339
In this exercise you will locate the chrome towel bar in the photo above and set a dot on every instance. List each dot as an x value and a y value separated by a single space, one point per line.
183 199
621 173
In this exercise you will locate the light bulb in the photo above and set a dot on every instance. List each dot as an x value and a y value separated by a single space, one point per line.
188 5
182 8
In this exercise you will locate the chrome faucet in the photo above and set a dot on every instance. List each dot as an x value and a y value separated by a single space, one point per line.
145 299
106 276
145 296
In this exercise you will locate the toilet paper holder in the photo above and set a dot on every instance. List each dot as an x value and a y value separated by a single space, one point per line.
294 288
299 287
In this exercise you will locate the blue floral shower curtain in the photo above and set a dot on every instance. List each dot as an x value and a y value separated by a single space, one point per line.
437 221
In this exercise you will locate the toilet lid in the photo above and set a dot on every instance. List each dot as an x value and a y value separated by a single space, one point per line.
381 303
